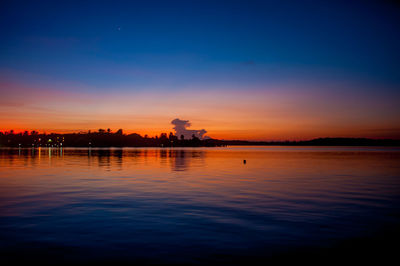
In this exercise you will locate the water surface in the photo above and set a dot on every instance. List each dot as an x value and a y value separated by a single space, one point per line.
193 205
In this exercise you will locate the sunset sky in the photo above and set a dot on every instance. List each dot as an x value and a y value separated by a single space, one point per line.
255 70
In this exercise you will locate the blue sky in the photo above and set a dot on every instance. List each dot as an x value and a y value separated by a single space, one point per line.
172 46
96 41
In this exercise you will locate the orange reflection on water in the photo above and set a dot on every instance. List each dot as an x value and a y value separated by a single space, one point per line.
139 201
203 174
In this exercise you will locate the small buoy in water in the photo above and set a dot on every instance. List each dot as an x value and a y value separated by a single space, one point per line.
244 161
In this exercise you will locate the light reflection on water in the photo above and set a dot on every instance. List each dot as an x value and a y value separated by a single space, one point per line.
179 205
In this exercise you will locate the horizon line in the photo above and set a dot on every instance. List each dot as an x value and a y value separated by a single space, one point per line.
51 132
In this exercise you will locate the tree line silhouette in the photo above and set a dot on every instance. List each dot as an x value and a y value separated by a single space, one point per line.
100 138
107 138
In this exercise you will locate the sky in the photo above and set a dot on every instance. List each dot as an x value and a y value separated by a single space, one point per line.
253 70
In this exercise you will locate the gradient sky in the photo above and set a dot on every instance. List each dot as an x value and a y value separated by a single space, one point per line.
257 70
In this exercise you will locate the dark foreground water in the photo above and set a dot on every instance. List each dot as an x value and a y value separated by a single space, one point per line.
199 205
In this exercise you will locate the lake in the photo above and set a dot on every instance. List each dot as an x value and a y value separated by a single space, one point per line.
198 205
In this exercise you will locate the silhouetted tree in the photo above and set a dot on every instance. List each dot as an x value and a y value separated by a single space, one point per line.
118 139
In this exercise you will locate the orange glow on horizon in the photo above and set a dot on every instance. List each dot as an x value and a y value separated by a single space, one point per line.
269 114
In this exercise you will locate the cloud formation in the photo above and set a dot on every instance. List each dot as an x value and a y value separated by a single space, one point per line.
181 129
